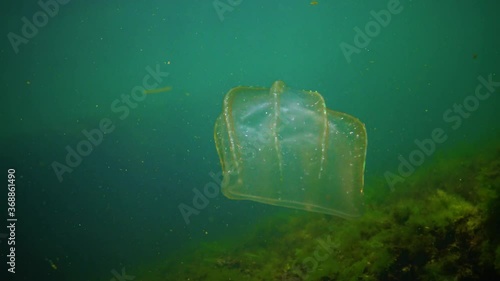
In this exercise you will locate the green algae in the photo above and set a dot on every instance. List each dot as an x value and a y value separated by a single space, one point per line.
441 225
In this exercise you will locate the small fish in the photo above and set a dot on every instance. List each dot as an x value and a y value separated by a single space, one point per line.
154 91
314 3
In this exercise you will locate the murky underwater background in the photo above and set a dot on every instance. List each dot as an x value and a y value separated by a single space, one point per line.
117 208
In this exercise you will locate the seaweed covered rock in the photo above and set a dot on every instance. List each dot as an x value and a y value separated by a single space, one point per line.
442 225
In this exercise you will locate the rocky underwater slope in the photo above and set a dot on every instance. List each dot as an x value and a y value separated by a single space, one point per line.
442 223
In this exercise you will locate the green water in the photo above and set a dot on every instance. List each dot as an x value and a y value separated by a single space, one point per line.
110 178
